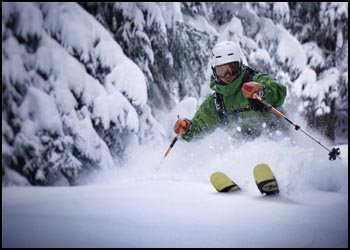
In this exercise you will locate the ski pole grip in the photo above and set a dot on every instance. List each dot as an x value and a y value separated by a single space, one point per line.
183 124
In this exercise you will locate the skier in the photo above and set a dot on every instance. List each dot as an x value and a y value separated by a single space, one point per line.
231 105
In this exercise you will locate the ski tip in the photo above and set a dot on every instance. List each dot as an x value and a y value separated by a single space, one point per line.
265 179
222 183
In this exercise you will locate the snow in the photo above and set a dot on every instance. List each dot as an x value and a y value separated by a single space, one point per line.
154 15
289 50
116 108
13 68
13 178
39 110
308 86
64 73
215 220
307 77
93 42
232 31
200 23
184 109
171 12
27 13
281 11
128 78
332 11
314 55
260 56
186 210
133 12
88 142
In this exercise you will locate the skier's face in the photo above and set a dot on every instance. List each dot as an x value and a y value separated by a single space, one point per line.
227 72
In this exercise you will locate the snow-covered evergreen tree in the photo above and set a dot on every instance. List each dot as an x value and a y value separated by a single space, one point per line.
322 30
165 41
66 100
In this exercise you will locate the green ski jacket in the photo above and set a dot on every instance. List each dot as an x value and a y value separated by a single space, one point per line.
242 115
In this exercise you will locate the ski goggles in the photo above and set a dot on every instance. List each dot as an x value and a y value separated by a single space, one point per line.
229 69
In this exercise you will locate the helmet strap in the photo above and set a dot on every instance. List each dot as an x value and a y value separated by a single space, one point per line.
215 75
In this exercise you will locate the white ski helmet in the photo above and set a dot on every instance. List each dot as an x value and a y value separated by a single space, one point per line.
226 52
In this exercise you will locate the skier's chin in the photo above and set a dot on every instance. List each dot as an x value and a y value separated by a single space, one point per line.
228 80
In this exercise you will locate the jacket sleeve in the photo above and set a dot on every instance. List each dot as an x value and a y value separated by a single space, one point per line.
274 93
204 121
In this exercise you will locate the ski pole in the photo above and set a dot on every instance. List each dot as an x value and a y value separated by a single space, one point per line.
171 146
167 152
182 124
333 154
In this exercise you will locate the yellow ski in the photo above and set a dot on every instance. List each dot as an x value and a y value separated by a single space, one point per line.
265 180
222 183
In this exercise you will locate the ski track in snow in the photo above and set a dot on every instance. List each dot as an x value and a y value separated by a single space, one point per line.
178 207
165 213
